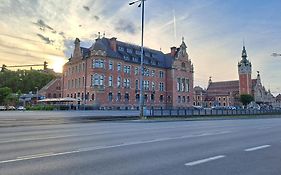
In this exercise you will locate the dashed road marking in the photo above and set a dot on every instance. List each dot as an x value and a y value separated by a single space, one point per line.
257 148
42 155
204 160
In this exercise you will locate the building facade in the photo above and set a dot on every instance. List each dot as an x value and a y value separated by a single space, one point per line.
52 89
227 93
107 75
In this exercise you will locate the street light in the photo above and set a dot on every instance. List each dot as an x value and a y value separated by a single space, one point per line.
141 66
36 94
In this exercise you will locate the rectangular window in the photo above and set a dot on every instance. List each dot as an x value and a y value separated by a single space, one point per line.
101 80
110 81
153 86
118 98
183 99
136 70
161 74
110 66
98 63
110 96
137 84
161 86
119 82
178 84
126 83
183 85
119 67
186 85
179 99
153 73
79 82
146 85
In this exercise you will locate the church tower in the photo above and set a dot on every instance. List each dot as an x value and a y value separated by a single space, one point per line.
245 71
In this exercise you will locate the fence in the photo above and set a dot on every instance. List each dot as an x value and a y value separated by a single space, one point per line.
208 112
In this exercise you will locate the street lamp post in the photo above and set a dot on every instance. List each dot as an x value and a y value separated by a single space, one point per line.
141 104
36 94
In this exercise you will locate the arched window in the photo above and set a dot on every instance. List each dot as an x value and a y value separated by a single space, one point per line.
96 79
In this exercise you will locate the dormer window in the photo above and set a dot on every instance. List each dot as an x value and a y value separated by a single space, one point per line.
129 50
147 54
126 57
121 49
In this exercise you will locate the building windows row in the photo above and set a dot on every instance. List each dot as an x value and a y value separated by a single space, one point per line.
76 83
98 63
182 85
183 99
97 80
127 69
75 69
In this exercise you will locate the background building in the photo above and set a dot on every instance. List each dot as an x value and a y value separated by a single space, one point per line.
107 74
227 93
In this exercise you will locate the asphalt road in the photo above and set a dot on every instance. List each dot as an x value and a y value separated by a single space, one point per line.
230 147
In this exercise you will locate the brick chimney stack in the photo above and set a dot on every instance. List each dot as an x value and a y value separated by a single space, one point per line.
173 51
113 44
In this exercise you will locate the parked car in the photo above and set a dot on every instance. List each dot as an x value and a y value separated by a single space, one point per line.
11 108
21 108
3 108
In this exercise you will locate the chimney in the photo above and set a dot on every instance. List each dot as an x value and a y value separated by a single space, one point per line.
113 44
77 49
173 51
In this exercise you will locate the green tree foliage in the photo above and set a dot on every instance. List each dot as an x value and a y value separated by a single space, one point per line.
24 81
245 99
5 95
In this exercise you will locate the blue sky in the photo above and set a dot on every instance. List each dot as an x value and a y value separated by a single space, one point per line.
36 30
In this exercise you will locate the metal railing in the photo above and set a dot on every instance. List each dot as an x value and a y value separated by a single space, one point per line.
207 112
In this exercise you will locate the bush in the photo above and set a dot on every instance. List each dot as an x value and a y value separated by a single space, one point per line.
41 108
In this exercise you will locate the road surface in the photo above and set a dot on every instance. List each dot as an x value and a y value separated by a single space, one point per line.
230 147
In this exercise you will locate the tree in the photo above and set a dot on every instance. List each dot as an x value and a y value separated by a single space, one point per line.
245 99
5 94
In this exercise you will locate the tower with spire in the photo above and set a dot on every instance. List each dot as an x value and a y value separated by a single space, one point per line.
245 72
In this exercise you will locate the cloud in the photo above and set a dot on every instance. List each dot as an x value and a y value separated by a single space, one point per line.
125 27
46 39
43 25
86 8
97 17
62 34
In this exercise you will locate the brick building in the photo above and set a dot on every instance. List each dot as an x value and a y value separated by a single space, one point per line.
227 93
52 89
107 75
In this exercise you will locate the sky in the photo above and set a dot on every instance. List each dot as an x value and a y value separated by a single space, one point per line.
33 31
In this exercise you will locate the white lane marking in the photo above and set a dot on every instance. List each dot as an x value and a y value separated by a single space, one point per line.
204 160
47 138
36 156
257 148
28 157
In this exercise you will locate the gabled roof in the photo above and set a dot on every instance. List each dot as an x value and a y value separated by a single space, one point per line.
223 87
131 53
278 97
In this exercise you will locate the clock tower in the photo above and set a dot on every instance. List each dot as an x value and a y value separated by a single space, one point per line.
245 71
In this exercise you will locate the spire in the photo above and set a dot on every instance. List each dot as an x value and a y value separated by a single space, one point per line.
244 52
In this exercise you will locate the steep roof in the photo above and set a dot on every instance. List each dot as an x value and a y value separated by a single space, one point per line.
130 53
223 87
278 97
